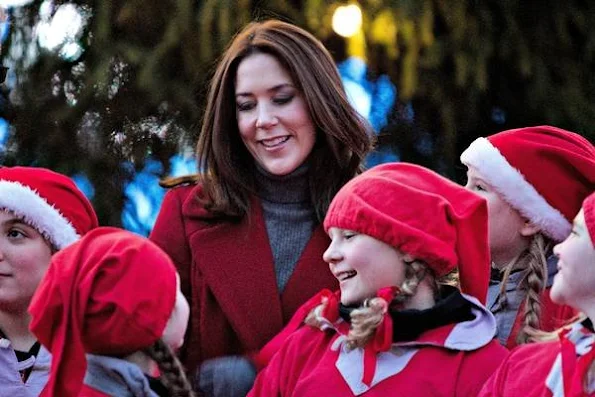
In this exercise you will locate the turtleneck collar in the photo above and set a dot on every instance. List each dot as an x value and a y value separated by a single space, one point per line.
291 188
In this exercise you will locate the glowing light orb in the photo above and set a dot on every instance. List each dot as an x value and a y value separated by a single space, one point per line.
347 20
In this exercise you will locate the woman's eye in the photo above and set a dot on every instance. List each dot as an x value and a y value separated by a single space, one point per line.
479 188
283 100
242 107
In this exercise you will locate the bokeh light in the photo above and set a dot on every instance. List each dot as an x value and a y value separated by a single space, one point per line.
347 20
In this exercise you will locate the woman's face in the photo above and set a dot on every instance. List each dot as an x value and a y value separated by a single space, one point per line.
575 281
505 223
24 258
273 119
362 264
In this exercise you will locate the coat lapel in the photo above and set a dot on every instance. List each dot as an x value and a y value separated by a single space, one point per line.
311 274
237 264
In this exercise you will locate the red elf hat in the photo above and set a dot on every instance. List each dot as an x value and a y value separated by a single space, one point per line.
48 201
422 214
589 212
110 293
543 172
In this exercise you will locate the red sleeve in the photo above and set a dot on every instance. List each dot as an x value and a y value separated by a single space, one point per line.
494 386
262 357
272 380
301 349
169 234
478 366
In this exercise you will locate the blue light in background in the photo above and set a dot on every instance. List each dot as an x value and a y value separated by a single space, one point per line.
4 129
374 100
84 184
144 195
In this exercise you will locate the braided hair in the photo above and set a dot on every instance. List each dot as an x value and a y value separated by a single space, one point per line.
367 318
172 371
533 262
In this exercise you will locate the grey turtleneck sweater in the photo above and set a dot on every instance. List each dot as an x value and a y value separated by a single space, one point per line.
289 217
290 220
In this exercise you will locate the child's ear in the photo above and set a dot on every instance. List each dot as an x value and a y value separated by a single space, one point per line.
529 229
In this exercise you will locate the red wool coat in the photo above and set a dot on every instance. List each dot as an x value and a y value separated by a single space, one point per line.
227 273
545 369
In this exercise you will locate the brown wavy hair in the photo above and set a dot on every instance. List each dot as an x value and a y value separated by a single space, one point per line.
343 138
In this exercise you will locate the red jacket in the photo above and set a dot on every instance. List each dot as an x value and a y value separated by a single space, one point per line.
452 360
545 369
228 275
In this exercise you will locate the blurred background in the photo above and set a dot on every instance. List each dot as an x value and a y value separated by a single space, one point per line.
112 93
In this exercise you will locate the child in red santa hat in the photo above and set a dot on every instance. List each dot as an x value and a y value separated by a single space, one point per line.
564 366
534 180
41 212
110 311
403 240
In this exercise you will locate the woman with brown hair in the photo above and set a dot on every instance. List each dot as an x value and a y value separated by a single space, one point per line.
534 180
279 139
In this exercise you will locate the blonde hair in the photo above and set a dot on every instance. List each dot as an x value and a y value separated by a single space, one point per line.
172 371
533 262
365 319
537 335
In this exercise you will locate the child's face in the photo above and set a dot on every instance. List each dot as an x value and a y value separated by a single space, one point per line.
362 264
575 281
24 258
505 223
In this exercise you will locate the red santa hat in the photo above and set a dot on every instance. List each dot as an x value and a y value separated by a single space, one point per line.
589 212
49 202
543 172
110 293
422 214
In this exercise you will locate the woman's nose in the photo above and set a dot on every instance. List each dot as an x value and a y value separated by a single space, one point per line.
265 118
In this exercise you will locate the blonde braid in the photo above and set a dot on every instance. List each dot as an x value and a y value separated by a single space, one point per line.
172 371
502 298
534 284
364 322
366 319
